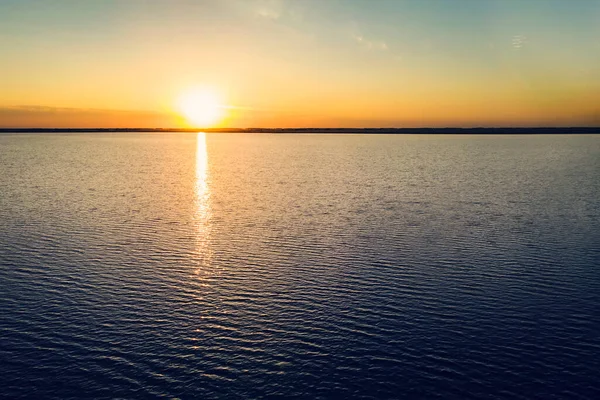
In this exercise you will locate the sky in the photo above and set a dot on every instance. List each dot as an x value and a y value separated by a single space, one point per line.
300 63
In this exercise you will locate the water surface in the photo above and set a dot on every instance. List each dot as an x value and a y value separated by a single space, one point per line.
299 266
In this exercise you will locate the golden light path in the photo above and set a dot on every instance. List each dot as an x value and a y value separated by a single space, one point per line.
203 209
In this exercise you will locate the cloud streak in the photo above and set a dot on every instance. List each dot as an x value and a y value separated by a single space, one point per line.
370 44
63 117
270 9
518 41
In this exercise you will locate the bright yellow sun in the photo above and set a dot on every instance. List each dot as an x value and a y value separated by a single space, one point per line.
201 107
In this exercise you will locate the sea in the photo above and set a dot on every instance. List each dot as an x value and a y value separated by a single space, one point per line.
299 266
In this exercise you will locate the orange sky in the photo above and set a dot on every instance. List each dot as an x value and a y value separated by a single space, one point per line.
304 63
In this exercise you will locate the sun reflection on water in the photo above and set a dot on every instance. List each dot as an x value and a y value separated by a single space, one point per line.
203 209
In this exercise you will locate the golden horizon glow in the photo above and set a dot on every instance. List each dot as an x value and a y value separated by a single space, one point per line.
201 107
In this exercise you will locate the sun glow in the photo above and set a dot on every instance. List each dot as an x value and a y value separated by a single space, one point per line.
201 107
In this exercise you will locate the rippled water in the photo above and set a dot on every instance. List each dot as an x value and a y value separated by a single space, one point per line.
307 266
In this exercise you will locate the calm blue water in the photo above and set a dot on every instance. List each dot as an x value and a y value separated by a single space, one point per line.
299 266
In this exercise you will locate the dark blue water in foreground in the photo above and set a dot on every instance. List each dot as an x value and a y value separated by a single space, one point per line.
299 266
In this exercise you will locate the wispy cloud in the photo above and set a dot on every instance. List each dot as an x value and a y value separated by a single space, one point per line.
370 43
61 117
241 108
518 41
279 11
49 109
269 9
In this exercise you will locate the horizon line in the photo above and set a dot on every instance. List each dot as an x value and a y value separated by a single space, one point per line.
448 129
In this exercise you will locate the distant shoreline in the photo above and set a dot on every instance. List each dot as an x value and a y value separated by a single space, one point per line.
430 131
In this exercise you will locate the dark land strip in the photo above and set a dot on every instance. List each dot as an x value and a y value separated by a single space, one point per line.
430 131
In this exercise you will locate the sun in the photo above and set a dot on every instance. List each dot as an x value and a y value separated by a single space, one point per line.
201 107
